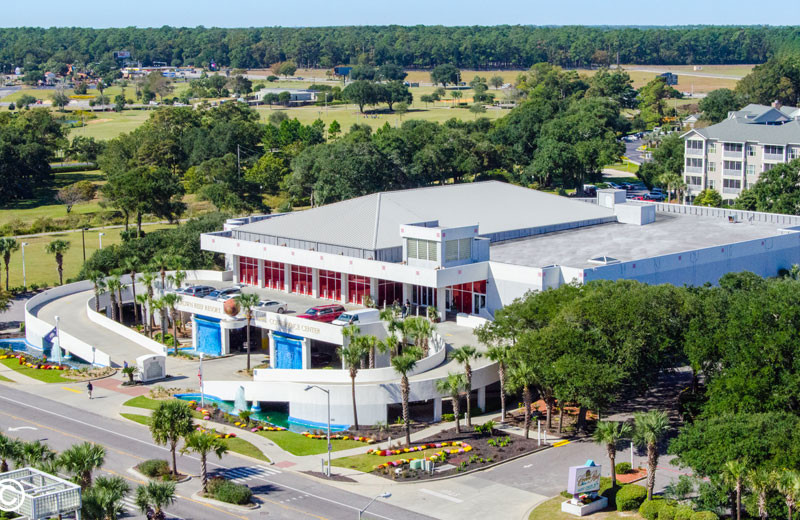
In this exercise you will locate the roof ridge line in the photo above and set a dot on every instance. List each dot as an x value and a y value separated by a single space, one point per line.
377 221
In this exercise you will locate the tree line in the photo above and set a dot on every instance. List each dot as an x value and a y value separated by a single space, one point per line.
476 47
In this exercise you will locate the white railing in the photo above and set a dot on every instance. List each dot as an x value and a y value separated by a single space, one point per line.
693 169
122 330
724 213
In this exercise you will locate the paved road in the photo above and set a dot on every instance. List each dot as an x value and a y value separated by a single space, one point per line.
632 153
690 74
284 495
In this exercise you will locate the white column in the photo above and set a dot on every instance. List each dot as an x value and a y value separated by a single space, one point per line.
373 292
287 278
482 398
225 341
194 333
236 269
261 272
441 305
315 282
406 293
271 350
306 346
437 409
345 288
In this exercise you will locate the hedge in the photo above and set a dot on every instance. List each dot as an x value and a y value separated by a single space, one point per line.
622 468
684 513
630 497
704 515
227 491
650 509
154 468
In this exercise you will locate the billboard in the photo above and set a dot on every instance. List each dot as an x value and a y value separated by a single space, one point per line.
583 479
122 55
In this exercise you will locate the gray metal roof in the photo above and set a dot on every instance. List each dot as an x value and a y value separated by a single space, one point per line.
373 221
739 130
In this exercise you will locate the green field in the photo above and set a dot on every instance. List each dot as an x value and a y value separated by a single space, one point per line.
297 444
109 125
44 204
46 376
144 420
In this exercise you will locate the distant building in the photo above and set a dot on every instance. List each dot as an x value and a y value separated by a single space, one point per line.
731 155
690 120
298 96
671 79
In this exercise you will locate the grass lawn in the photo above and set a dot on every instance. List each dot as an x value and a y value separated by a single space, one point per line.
109 125
151 404
5 379
624 167
46 376
243 447
366 462
297 444
141 419
551 510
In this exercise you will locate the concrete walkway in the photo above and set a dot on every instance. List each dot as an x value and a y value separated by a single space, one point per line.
18 377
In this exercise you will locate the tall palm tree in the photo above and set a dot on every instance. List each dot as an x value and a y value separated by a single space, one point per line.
162 262
648 430
788 484
734 473
177 278
171 421
247 302
149 279
499 354
155 495
7 246
103 501
760 483
522 376
81 460
34 453
204 443
453 385
423 328
170 301
351 356
114 285
465 355
8 451
142 300
58 248
609 434
98 280
131 266
403 365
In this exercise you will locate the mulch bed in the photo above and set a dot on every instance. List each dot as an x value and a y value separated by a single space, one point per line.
635 474
482 454
395 431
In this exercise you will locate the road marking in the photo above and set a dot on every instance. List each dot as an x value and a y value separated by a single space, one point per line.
526 466
441 495
560 443
68 389
18 428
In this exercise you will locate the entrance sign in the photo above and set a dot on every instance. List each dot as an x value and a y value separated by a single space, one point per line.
583 479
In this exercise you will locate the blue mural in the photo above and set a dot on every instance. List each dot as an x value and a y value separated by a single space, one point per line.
288 351
209 339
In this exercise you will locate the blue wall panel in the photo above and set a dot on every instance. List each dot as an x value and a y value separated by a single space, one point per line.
209 339
288 351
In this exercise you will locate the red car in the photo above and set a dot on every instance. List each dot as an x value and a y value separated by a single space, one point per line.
326 313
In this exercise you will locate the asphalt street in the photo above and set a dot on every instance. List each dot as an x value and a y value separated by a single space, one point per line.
283 495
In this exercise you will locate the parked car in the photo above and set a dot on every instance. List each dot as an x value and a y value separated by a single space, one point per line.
222 295
359 317
326 313
272 306
198 291
655 196
613 185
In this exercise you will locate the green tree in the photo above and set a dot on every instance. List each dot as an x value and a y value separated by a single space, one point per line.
446 74
103 501
268 173
649 430
114 285
334 129
788 484
477 109
404 364
673 183
717 103
522 376
775 191
465 355
25 100
171 301
616 85
708 197
760 482
204 443
156 496
456 94
58 248
60 99
169 423
7 246
98 281
609 434
397 92
496 81
652 100
131 266
8 451
391 72
81 460
453 385
362 93
247 302
734 473
352 355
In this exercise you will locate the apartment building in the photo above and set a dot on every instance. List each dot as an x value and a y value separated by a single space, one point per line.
731 155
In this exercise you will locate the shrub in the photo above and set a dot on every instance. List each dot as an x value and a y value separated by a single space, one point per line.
650 509
566 494
667 511
704 515
622 468
154 468
630 497
227 491
683 513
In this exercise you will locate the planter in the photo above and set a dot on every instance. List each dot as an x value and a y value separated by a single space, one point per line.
583 510
245 508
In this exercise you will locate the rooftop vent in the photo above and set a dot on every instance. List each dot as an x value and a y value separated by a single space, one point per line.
603 260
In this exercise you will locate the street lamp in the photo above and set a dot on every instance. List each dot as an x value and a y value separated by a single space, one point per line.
328 394
24 280
382 495
100 237
83 241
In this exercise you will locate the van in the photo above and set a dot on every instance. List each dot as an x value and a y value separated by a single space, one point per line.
359 317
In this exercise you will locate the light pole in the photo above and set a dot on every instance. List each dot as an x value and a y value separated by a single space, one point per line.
58 341
328 394
382 495
200 376
24 280
83 241
100 237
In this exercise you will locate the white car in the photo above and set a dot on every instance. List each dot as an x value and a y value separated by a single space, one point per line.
272 306
222 295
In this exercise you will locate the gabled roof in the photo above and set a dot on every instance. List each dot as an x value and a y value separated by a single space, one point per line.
738 131
373 221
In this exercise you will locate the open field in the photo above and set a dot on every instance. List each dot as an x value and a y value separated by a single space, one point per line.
44 203
735 71
109 125
110 92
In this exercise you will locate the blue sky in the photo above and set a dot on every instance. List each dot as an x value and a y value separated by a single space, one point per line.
239 13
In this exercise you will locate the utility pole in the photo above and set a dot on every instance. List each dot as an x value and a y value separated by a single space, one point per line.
238 161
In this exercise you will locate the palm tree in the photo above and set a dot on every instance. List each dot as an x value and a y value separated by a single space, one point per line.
453 385
351 356
245 415
58 248
177 278
610 433
99 281
403 364
161 262
733 474
760 483
499 354
247 302
464 355
204 443
114 284
155 495
103 501
171 421
8 451
788 484
34 453
142 300
522 376
81 460
7 246
148 279
130 371
423 329
649 429
170 301
131 266
159 306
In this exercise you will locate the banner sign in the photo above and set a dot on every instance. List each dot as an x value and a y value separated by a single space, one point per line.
583 479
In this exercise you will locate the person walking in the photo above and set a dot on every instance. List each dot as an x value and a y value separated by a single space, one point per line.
89 389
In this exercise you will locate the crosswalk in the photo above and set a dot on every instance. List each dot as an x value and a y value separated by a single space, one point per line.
132 510
243 474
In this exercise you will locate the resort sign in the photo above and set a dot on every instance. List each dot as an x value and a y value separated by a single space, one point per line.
583 479
211 308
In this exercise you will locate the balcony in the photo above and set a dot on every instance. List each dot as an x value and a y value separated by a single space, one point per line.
692 169
773 157
694 152
731 191
729 154
731 173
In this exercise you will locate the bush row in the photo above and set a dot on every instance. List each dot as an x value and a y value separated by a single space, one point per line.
659 509
227 491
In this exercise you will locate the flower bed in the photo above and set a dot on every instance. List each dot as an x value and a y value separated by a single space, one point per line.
337 436
439 456
216 434
38 365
